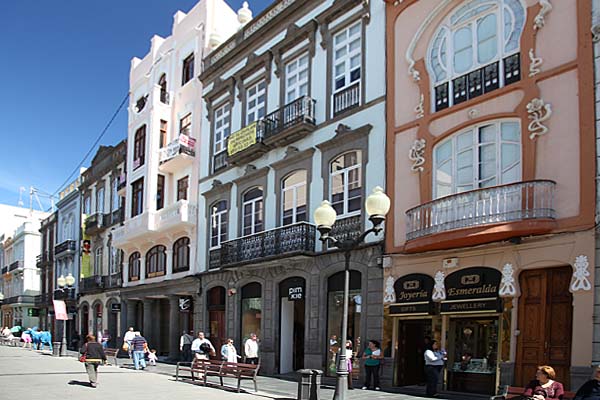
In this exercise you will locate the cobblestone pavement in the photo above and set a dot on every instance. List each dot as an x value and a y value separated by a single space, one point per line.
27 373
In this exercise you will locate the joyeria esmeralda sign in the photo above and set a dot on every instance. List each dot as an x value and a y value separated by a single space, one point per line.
472 290
413 295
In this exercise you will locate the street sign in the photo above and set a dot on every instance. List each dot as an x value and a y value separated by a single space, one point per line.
33 312
115 307
60 309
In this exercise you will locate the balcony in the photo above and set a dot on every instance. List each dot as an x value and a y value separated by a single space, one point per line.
5 270
175 215
219 161
16 265
66 247
214 258
96 223
246 144
287 241
90 284
42 300
116 217
64 294
347 228
134 228
346 99
178 154
23 299
112 281
39 261
481 216
122 185
290 123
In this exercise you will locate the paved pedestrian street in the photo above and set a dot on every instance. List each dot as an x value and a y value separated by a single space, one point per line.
35 374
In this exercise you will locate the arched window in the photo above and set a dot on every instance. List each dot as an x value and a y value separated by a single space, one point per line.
346 183
218 224
164 95
181 255
476 50
481 156
293 194
252 217
134 266
156 261
139 147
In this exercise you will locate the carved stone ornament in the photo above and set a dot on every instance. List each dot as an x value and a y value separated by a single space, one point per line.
439 289
416 155
539 112
420 109
390 294
596 33
507 284
473 113
581 273
540 19
216 184
341 129
534 64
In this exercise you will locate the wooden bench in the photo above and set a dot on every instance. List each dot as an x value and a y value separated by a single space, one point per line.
240 372
200 367
223 369
512 392
110 352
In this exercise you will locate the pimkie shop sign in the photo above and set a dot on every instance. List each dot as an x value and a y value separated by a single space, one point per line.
242 139
472 290
413 295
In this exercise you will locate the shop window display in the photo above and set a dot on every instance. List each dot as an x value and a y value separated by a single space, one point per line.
251 310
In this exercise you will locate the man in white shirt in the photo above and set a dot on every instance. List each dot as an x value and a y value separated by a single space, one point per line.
128 338
202 347
251 349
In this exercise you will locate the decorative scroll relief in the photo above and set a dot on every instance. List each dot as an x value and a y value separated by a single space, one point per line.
534 64
507 284
390 294
439 289
581 273
596 33
540 19
417 155
539 112
419 109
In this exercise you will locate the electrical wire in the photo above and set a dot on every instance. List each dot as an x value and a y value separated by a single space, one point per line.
76 170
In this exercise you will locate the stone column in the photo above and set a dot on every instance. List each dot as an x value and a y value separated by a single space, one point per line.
125 273
169 255
130 314
148 318
174 332
142 269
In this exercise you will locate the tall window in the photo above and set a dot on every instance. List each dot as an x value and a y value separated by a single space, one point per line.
137 200
115 198
222 127
256 100
251 314
293 192
162 82
139 147
162 140
160 192
134 266
346 183
87 205
100 200
296 78
185 125
476 50
218 224
182 188
482 156
187 73
98 262
347 57
252 205
156 261
181 255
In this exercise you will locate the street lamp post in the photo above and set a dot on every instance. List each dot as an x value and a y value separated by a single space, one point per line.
65 284
377 206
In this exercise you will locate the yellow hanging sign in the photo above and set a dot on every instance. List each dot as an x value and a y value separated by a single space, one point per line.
241 139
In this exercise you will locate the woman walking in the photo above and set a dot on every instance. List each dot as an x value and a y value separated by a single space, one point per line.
228 352
92 354
434 361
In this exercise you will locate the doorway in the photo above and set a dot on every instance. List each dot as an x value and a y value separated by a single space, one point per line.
291 338
112 323
410 362
544 338
216 316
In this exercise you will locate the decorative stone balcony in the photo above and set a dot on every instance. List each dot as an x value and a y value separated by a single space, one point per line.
133 229
178 154
481 216
66 247
96 223
175 215
286 241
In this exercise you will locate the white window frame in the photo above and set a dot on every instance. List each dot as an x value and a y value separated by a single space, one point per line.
98 261
253 206
345 44
254 97
294 193
222 115
293 72
100 200
474 129
87 204
345 173
216 220
115 199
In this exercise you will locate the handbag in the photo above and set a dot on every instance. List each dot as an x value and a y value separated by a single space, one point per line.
125 346
82 357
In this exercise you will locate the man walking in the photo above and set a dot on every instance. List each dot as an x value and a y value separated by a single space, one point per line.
185 346
202 347
128 338
251 349
139 346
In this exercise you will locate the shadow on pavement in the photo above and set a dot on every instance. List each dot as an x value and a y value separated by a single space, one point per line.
80 383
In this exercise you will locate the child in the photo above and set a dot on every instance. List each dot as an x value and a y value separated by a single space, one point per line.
152 357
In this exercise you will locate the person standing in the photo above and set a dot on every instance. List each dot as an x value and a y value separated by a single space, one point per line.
228 352
251 349
434 361
139 346
349 359
185 346
105 339
94 356
372 357
591 389
127 339
202 347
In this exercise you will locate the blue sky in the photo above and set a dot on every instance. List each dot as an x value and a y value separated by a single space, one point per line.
65 67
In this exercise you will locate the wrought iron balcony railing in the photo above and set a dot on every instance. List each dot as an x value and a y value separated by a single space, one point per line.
15 265
346 99
214 258
42 299
347 228
112 281
288 240
96 222
290 122
498 204
5 269
66 246
184 144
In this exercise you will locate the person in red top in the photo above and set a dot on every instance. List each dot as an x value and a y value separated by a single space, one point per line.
544 387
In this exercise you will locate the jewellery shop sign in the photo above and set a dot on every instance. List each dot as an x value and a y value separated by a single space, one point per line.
472 290
413 295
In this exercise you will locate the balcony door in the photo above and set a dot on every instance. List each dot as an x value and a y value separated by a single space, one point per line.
252 218
545 322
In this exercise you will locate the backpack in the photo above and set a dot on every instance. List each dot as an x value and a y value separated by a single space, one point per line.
205 347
